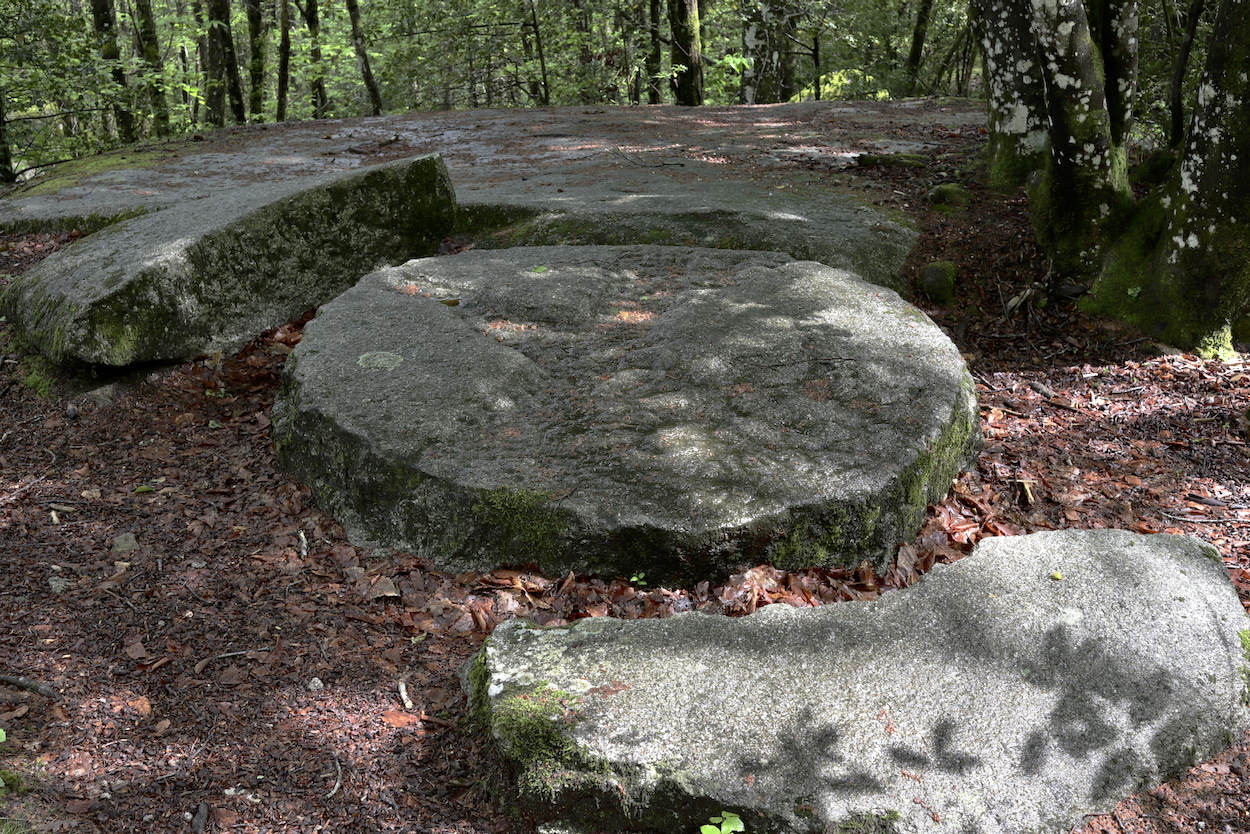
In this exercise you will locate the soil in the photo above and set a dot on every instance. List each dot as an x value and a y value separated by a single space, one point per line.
213 655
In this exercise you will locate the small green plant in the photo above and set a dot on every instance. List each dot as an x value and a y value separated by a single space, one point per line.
639 579
727 823
1134 292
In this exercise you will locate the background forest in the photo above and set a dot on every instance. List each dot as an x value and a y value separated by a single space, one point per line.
79 76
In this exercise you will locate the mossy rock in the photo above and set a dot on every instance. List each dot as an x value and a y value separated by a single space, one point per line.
937 282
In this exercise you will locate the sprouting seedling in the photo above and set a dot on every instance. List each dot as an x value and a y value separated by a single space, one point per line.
639 579
727 823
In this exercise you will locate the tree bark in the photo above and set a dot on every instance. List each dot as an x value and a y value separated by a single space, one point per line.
768 26
7 174
1084 188
912 68
105 23
362 57
1176 98
687 52
321 103
655 58
1182 271
256 59
223 67
284 56
1015 90
149 46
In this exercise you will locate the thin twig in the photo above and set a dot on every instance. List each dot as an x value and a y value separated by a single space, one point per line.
338 779
661 164
30 685
1197 520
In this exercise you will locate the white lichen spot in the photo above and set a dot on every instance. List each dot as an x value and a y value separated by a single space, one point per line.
1165 201
1065 29
1104 209
1192 241
1063 82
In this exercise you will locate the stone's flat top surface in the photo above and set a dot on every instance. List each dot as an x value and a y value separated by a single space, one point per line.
688 390
991 697
485 147
756 177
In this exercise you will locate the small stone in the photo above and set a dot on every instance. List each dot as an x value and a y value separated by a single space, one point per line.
125 543
937 281
59 583
315 685
949 194
71 411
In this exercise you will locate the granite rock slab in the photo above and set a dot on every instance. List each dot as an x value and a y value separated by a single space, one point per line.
1041 679
211 274
678 411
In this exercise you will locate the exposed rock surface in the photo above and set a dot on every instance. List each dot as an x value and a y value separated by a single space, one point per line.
1042 678
210 274
807 223
613 409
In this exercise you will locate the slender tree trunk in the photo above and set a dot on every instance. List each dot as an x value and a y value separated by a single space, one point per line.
7 174
284 56
683 16
256 59
654 59
104 21
145 33
362 57
1016 93
321 103
912 68
1176 98
542 58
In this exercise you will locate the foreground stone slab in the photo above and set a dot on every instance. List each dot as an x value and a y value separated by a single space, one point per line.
211 274
608 410
1040 679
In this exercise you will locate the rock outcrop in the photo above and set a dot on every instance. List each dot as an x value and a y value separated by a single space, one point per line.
211 274
610 410
1042 678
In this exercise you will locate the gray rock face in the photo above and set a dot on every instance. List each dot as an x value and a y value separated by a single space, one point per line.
820 225
1043 678
211 274
614 409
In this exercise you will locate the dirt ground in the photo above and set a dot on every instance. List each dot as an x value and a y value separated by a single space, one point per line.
211 654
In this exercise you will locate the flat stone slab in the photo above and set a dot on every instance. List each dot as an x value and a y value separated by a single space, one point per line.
211 274
1042 678
805 221
678 411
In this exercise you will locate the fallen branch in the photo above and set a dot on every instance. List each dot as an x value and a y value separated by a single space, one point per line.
30 685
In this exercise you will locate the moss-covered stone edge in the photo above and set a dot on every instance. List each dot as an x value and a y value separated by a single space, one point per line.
844 536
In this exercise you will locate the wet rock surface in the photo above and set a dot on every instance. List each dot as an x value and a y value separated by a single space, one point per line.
678 411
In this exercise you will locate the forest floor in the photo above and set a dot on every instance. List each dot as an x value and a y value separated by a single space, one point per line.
215 656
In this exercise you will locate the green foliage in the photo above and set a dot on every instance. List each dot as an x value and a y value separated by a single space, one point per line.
727 823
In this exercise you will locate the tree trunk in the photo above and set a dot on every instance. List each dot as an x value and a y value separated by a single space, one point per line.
683 16
321 103
362 57
256 60
1016 94
768 28
7 174
1176 99
1084 187
1182 270
105 24
912 67
542 58
223 67
145 33
654 59
284 56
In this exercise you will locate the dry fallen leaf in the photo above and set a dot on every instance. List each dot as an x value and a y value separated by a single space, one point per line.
398 718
